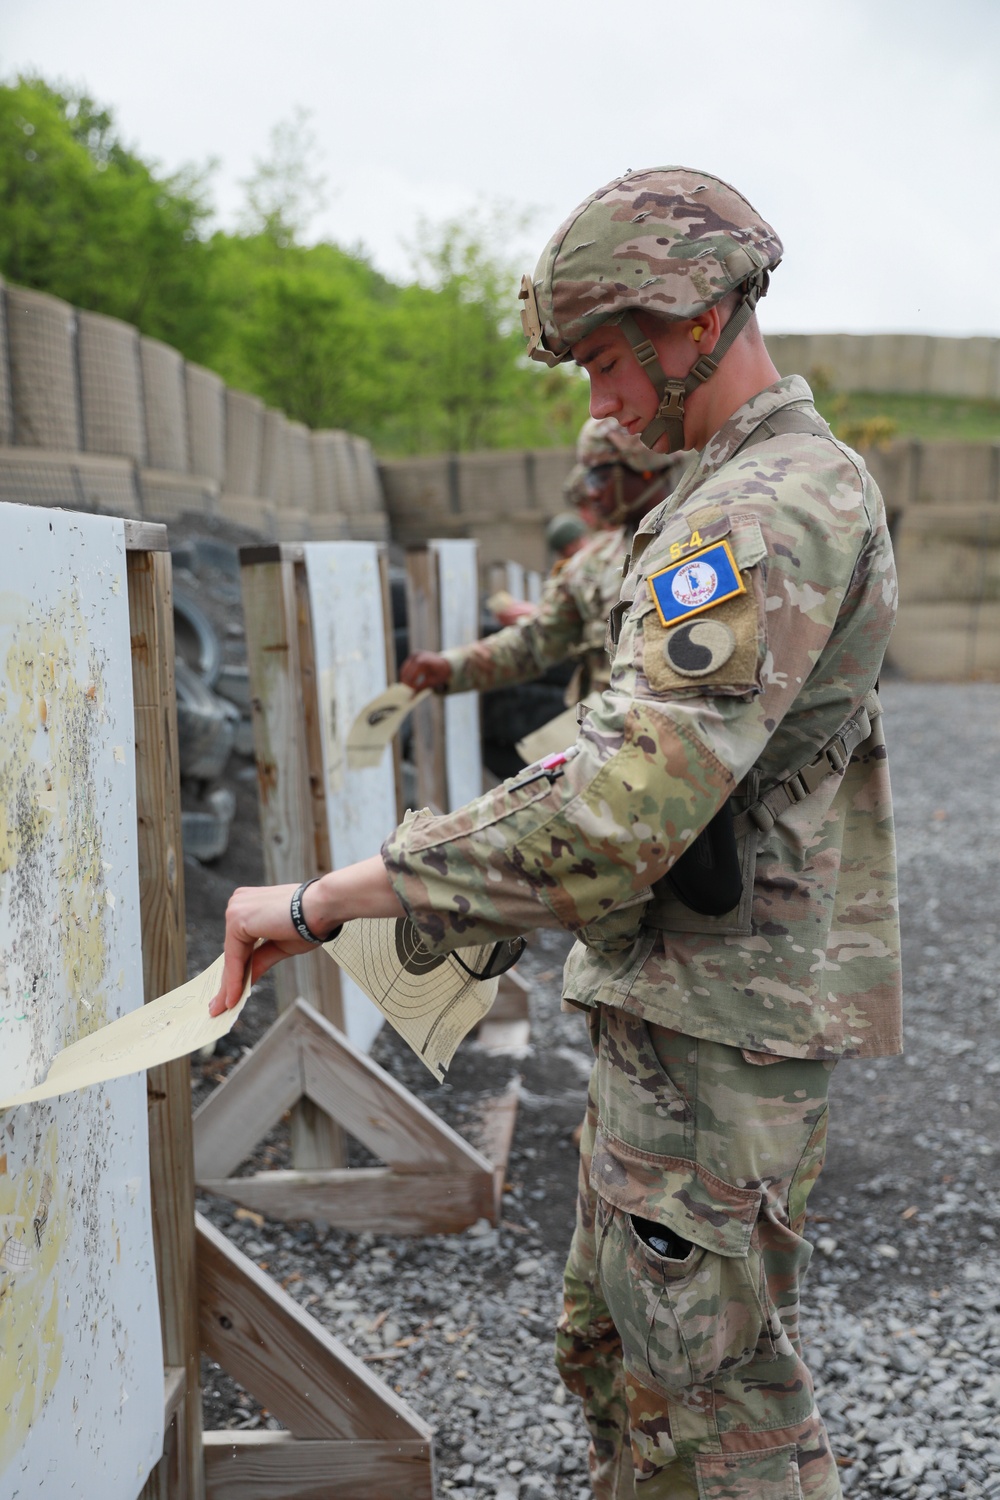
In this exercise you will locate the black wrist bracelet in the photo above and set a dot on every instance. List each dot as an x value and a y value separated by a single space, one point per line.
298 918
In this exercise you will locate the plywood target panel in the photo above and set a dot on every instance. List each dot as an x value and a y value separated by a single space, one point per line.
81 1379
345 600
458 595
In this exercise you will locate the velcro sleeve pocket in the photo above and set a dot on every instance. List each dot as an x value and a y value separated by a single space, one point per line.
427 830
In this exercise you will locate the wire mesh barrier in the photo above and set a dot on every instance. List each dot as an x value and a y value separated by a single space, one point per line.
341 449
244 442
206 417
6 406
326 479
75 481
167 496
949 568
275 461
501 499
41 336
906 362
164 406
111 409
302 479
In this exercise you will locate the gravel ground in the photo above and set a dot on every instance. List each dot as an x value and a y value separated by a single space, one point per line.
903 1301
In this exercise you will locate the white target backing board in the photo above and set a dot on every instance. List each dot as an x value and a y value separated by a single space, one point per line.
516 585
81 1374
458 603
345 600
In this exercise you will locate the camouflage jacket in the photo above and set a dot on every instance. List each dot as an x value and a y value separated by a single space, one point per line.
690 711
571 621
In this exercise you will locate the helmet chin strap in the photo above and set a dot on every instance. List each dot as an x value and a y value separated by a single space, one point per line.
669 416
623 511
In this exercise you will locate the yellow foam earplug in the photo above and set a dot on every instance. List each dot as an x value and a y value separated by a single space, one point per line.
697 332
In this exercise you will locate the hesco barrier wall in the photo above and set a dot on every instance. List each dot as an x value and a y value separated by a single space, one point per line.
501 498
943 501
913 362
94 416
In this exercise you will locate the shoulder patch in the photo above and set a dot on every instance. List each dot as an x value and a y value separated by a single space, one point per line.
700 581
719 652
699 647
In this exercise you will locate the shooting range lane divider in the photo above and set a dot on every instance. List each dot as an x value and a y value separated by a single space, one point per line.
343 599
348 1432
79 1315
351 1434
309 1062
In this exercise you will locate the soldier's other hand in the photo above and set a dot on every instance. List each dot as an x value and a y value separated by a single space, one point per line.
517 609
425 669
255 913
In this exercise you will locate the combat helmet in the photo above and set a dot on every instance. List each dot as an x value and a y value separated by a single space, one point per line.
668 241
563 529
604 442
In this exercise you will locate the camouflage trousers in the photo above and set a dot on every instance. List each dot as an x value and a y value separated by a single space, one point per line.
687 1356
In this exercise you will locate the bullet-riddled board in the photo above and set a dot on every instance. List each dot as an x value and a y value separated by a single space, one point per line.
81 1379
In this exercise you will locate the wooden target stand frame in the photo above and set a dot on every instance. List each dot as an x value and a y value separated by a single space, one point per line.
347 1432
432 1181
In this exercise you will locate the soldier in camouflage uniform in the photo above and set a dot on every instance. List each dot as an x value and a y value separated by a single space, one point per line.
622 480
740 725
565 535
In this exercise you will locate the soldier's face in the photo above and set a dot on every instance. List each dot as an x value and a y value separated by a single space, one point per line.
619 387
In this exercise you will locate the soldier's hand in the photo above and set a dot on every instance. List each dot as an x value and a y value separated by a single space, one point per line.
517 609
425 669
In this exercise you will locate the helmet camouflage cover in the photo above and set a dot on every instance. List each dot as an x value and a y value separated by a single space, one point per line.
573 487
603 440
565 527
666 241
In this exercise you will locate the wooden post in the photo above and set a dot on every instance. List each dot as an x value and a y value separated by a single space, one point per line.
180 1473
289 825
390 676
424 624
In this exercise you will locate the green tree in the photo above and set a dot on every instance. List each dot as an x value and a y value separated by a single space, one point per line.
84 217
302 329
465 379
314 330
285 191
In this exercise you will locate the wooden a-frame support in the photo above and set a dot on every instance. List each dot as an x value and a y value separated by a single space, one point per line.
349 1434
432 1181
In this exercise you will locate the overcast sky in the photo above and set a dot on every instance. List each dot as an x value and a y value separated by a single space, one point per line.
866 131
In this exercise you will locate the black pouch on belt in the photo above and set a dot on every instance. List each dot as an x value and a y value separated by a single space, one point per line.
708 877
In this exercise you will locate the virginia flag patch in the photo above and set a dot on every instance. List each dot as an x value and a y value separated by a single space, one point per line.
701 581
